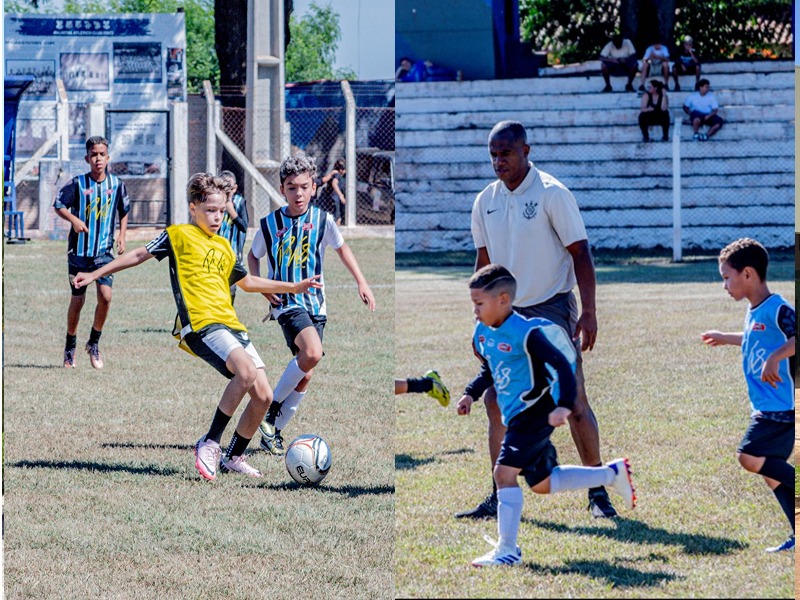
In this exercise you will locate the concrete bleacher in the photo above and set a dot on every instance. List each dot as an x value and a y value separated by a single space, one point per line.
739 183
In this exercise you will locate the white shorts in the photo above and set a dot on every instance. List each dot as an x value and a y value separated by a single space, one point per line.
216 346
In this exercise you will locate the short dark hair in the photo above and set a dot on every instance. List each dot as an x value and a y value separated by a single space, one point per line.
228 175
295 165
512 129
702 82
493 278
616 39
339 164
202 185
94 141
746 252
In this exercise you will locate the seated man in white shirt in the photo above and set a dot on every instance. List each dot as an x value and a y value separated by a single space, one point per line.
655 58
618 57
702 107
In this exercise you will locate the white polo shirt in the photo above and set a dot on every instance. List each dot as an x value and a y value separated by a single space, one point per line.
527 231
702 104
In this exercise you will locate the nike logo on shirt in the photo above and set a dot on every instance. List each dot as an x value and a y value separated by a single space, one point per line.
488 212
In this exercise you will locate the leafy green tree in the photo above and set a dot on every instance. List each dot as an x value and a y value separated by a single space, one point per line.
312 51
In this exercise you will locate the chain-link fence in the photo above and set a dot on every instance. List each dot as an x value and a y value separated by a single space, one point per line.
317 121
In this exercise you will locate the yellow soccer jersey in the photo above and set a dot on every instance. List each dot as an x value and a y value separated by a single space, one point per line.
202 270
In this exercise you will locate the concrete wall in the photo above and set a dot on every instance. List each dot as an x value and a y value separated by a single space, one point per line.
739 183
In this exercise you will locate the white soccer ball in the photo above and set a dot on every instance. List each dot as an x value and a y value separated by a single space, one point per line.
308 459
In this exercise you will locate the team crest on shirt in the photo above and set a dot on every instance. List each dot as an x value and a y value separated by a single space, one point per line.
503 347
109 193
530 210
481 339
282 232
308 226
759 327
87 192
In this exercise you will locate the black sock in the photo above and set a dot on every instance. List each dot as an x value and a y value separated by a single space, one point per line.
779 470
273 412
419 385
237 446
218 425
785 496
72 341
494 488
94 336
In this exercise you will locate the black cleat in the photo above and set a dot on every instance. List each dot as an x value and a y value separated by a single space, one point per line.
485 510
600 504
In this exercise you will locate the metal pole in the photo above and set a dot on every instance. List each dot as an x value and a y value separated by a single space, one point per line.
211 137
677 250
350 153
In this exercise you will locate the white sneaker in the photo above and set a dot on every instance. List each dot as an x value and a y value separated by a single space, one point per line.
237 464
498 556
623 483
207 453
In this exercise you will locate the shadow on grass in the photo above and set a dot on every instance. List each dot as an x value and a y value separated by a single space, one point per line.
17 366
134 446
615 574
638 532
83 465
352 491
145 330
405 462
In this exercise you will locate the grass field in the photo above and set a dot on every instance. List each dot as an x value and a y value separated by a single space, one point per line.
672 405
101 497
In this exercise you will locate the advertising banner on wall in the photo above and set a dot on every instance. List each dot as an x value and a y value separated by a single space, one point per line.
138 144
127 62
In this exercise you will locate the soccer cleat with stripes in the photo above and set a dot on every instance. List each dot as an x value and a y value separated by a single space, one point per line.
237 464
207 454
94 355
498 555
272 444
784 547
69 358
439 390
623 483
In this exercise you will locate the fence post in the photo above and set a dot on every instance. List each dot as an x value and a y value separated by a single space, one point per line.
350 153
62 114
211 136
677 250
179 163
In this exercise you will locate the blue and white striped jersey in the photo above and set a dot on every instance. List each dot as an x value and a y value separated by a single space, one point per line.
530 360
97 204
235 231
767 327
295 250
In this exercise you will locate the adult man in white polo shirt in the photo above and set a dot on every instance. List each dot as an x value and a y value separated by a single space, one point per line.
528 222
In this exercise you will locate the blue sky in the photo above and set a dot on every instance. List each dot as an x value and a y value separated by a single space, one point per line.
367 45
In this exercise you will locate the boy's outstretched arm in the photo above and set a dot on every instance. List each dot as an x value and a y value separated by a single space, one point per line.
718 338
123 261
770 372
349 261
251 283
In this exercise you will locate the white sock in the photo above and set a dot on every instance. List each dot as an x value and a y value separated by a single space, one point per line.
288 408
292 375
570 477
509 512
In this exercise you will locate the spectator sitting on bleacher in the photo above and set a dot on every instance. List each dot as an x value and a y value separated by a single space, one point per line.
423 71
618 57
686 63
702 107
655 57
655 111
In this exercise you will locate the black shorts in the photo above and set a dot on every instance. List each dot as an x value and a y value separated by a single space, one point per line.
765 437
527 446
294 321
88 264
682 67
709 120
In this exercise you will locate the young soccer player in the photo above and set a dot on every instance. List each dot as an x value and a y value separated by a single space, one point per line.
768 342
203 266
430 384
531 363
293 239
91 204
234 224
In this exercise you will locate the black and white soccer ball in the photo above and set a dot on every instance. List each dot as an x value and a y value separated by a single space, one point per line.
308 459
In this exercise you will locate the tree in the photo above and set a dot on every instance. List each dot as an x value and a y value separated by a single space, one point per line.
315 38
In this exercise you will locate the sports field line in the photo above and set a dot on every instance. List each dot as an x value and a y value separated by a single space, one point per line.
166 291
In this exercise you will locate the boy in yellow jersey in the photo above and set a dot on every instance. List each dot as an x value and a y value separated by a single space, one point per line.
203 266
